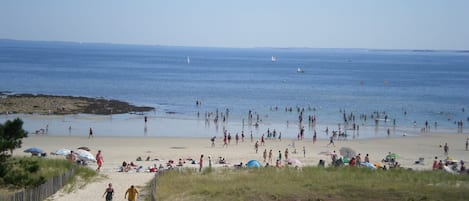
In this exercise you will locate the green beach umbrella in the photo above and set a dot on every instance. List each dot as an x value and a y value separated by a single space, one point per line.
392 155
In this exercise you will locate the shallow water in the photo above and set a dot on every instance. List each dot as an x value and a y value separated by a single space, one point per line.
427 86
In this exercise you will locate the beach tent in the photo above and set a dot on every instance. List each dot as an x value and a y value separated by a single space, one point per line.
253 163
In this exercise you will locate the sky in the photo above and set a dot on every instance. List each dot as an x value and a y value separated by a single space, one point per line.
374 24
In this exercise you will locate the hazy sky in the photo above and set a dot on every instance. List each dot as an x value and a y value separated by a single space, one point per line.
389 24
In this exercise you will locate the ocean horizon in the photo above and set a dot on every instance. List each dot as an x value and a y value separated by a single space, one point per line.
410 87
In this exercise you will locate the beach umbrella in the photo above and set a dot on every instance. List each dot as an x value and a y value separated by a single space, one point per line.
253 163
61 152
85 155
448 169
392 156
347 152
345 160
294 162
34 150
369 165
84 148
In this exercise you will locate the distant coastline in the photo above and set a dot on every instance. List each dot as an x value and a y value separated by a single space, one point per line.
38 42
63 105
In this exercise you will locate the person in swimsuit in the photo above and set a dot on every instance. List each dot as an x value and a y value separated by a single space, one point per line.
109 192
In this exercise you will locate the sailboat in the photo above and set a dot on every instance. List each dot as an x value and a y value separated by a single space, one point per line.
300 70
188 60
274 59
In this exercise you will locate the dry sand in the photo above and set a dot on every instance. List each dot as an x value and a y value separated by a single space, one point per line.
118 149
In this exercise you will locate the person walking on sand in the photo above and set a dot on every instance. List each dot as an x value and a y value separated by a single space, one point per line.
108 192
304 152
256 146
314 137
213 141
270 156
201 162
132 192
467 143
331 141
446 149
99 160
264 155
286 154
91 134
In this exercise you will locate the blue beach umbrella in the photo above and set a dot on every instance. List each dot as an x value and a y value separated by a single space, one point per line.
369 165
253 163
34 150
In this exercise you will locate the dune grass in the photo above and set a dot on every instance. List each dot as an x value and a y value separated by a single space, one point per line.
312 183
26 172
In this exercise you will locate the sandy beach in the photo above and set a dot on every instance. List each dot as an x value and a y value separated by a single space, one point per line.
115 150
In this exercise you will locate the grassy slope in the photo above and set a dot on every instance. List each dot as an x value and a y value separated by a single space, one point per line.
49 168
313 184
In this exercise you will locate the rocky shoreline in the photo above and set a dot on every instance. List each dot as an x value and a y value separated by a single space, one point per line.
62 105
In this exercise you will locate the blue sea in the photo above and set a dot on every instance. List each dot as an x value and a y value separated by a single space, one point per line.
410 86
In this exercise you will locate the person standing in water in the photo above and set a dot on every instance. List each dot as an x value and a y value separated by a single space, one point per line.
91 133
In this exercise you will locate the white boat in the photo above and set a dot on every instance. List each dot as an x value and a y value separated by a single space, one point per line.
300 70
274 59
188 60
